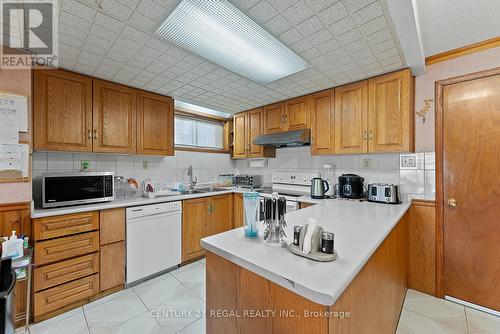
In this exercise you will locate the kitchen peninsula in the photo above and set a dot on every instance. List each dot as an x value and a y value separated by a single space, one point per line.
258 288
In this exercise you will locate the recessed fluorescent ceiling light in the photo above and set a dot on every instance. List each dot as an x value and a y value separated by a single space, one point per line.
220 32
184 106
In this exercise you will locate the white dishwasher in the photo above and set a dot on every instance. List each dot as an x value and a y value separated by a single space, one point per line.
153 239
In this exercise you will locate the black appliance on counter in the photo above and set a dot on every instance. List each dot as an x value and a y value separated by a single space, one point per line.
7 283
351 186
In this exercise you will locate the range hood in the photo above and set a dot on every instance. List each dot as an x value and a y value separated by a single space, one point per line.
285 139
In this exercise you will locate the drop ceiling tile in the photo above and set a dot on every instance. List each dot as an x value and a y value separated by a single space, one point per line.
277 25
108 22
390 61
356 46
368 13
310 26
134 34
319 5
333 13
310 53
373 26
76 43
157 44
281 5
388 53
73 32
319 60
118 56
262 12
143 22
381 47
130 3
116 9
394 66
290 36
151 9
193 60
355 5
297 12
370 58
321 37
73 21
244 5
79 9
349 37
342 26
150 52
94 49
328 46
68 50
379 36
103 32
372 67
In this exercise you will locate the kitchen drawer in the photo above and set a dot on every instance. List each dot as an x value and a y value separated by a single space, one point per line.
65 271
67 247
60 296
60 226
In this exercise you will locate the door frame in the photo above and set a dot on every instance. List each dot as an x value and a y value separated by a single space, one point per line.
439 138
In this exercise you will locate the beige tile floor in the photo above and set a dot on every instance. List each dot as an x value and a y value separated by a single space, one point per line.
177 302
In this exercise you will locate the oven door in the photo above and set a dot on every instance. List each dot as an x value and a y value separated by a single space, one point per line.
76 188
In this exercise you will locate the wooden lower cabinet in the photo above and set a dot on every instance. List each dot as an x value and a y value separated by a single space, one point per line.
112 226
60 226
238 218
202 217
60 296
59 249
112 273
373 299
62 272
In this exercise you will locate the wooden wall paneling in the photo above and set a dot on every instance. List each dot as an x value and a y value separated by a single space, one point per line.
322 122
351 118
114 118
62 111
155 124
422 247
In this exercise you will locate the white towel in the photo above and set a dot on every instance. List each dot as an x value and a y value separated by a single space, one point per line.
311 226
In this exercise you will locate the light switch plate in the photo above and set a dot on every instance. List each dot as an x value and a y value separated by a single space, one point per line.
145 164
366 163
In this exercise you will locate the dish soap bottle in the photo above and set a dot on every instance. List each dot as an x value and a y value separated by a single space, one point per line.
13 247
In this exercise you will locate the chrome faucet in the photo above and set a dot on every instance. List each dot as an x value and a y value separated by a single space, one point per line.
192 179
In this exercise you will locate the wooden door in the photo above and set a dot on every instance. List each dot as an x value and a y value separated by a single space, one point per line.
62 111
114 118
274 118
471 138
240 128
195 220
322 122
112 262
351 116
390 113
221 214
297 114
155 124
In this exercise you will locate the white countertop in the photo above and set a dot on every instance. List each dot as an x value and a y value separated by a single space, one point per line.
126 202
359 227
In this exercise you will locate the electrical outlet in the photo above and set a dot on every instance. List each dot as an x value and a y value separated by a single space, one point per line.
366 163
145 164
84 165
408 161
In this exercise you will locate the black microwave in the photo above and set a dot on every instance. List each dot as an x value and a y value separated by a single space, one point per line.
62 189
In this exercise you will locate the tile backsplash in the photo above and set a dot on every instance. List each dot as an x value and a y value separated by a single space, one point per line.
417 181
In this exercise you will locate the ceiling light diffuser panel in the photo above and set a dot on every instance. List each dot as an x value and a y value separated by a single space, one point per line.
220 32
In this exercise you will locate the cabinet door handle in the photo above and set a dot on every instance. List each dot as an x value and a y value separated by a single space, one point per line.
371 136
365 135
89 133
95 133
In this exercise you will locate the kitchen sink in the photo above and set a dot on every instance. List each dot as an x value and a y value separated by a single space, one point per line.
201 190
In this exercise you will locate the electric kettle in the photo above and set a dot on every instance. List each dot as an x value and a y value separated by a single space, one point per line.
319 187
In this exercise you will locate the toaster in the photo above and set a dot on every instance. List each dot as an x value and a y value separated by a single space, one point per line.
383 193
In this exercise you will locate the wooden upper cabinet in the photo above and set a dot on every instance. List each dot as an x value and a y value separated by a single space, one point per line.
297 113
322 122
155 124
351 116
62 117
274 118
114 118
391 119
240 126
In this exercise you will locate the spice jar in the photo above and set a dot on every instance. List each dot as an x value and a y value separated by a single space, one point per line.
327 242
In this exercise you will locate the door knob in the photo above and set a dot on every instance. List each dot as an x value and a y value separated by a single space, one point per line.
452 202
